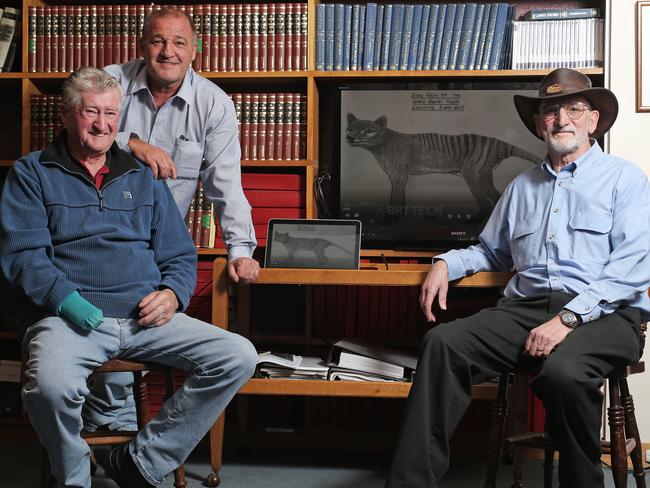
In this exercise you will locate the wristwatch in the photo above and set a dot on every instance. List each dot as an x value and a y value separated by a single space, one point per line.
570 319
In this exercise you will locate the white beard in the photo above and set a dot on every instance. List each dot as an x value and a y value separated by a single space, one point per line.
565 146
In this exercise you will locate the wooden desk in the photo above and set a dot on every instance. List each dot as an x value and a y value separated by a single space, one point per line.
369 275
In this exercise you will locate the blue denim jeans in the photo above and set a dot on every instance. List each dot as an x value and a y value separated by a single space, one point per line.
62 356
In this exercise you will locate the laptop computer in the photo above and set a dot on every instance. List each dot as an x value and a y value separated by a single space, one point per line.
313 243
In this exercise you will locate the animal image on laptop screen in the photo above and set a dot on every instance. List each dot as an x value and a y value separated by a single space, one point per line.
313 244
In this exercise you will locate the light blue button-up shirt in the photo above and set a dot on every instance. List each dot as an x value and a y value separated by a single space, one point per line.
197 127
584 231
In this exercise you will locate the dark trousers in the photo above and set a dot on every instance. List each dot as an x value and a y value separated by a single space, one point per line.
456 355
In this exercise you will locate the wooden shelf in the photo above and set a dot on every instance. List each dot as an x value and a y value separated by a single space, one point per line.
367 389
444 73
372 275
278 164
6 162
247 75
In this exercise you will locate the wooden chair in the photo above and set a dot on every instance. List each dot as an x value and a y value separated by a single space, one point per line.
624 434
141 403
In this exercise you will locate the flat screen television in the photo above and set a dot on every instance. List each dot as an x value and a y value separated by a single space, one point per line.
422 167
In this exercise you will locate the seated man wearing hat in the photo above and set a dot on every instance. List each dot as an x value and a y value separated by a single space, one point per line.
576 230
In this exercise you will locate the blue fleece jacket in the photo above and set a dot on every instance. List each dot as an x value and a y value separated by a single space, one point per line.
59 234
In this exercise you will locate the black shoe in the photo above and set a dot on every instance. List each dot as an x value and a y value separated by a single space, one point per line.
119 466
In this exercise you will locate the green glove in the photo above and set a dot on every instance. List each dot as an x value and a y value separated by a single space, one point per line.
81 312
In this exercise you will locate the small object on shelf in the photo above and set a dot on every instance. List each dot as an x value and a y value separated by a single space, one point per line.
354 360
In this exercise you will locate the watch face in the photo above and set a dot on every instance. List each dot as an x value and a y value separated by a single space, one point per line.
568 318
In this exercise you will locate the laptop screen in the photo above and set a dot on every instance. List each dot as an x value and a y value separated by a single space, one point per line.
315 243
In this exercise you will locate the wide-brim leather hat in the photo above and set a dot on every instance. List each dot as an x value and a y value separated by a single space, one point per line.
562 83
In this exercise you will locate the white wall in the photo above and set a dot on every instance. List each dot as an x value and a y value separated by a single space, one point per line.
630 139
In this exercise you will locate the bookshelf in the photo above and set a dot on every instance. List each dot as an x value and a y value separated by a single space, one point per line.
15 98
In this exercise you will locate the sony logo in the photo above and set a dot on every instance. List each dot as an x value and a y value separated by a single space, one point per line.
458 233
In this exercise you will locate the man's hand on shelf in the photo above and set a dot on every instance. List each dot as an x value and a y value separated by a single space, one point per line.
436 283
243 270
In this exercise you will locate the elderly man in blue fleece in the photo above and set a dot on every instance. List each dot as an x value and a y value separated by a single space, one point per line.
576 228
98 245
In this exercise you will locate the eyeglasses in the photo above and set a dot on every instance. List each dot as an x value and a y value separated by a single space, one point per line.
573 109
92 113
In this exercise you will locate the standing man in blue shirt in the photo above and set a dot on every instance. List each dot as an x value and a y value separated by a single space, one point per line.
576 229
184 127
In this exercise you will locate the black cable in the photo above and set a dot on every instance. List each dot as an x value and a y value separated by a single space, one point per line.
320 196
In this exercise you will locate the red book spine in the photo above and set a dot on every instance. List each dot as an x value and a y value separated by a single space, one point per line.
117 34
237 102
245 126
108 35
42 110
197 64
239 41
69 38
230 37
269 181
261 128
40 39
279 126
31 42
295 127
280 13
288 126
275 198
288 36
304 38
223 38
198 213
297 36
101 36
255 38
124 34
270 38
261 215
303 126
214 39
140 27
247 27
133 32
76 35
254 120
263 34
85 35
207 35
54 40
271 125
92 36
63 39
35 124
47 40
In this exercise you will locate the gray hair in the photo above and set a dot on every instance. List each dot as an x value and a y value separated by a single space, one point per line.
87 79
162 13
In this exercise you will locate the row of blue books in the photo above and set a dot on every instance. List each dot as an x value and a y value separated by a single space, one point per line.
463 36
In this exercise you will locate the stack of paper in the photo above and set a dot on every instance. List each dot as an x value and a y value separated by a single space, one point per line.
363 361
291 366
